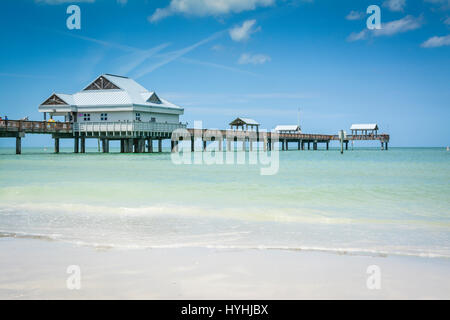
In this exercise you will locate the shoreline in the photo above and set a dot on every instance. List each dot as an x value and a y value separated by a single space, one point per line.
335 251
33 269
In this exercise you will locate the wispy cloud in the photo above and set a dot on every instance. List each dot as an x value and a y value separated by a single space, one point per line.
355 15
203 8
391 28
215 65
171 56
243 32
435 42
100 42
247 58
444 4
138 57
22 75
395 5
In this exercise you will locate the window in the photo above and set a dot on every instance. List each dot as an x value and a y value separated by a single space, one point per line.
138 117
86 116
153 119
104 117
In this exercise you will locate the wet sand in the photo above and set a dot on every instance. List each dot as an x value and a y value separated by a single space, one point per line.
36 269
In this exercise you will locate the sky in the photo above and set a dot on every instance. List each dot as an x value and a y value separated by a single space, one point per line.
222 59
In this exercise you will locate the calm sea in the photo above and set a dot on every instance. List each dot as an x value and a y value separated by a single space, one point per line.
366 201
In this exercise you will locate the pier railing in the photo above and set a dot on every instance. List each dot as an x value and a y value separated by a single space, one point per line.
132 126
35 126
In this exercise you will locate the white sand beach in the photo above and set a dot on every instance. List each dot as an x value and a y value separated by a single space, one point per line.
36 269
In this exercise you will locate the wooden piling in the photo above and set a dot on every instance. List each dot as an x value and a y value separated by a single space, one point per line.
150 145
159 145
56 145
83 145
18 145
105 145
76 144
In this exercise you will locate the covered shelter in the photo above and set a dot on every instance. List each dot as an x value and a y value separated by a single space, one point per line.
364 129
288 129
244 124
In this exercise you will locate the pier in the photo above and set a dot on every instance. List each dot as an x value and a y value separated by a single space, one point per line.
139 137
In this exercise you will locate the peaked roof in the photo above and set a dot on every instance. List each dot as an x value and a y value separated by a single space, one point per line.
112 90
241 121
287 128
369 126
54 100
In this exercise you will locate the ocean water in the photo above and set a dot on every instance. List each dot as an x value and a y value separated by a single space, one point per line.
366 201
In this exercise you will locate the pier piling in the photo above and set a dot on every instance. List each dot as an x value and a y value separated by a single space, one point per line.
56 145
83 145
18 145
150 145
76 144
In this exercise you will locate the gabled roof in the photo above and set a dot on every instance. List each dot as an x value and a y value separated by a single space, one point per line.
242 121
287 128
101 83
56 100
369 126
112 90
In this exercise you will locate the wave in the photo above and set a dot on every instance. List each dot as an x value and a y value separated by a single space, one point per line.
324 216
111 246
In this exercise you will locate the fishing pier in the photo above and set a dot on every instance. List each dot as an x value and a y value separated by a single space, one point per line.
138 137
117 108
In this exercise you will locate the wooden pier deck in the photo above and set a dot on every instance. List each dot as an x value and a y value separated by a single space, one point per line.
134 136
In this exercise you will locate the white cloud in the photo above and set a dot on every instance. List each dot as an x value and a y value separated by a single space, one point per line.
203 8
355 15
356 36
444 4
122 2
395 5
247 58
242 33
405 24
391 28
435 42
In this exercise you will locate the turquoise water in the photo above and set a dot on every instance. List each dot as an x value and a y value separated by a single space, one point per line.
366 201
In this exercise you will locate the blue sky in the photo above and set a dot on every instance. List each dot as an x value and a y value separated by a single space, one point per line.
262 59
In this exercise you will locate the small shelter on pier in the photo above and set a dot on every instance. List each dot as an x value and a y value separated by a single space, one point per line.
244 124
365 129
288 129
